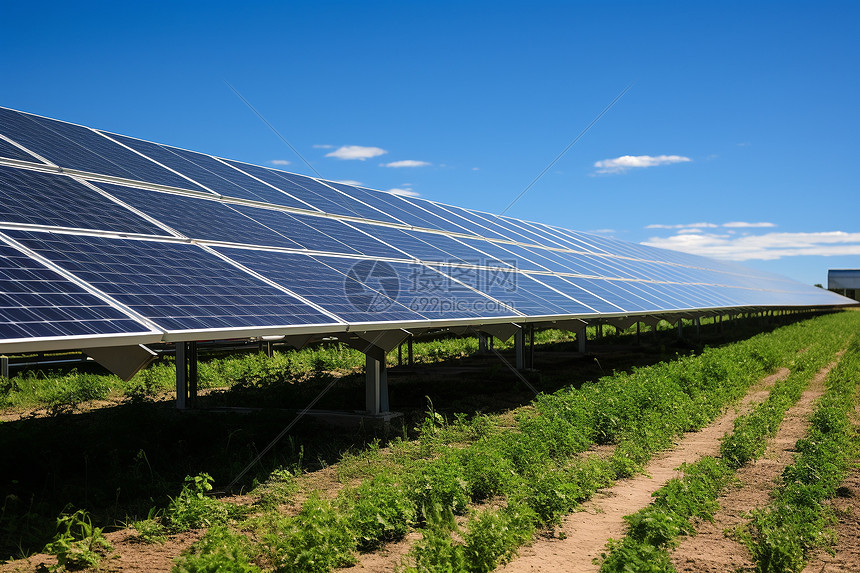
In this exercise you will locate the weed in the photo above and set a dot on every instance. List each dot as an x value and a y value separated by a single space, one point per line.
78 544
193 509
379 511
219 551
317 540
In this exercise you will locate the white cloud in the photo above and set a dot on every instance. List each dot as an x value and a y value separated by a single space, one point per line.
406 163
476 168
729 225
349 182
318 146
742 225
404 192
602 231
279 162
687 226
744 144
625 162
769 246
356 152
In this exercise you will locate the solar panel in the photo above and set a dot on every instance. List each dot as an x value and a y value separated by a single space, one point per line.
176 285
193 217
13 152
395 206
80 148
51 199
36 302
343 294
429 291
319 196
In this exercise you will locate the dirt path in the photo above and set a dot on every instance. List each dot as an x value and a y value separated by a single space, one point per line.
710 550
129 555
602 517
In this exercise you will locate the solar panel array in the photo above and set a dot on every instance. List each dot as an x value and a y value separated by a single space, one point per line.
105 238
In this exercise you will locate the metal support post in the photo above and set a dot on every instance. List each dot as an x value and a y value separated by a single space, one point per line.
482 343
192 374
181 377
519 349
698 323
186 375
376 382
269 349
530 357
409 350
580 339
680 328
4 366
400 354
638 335
599 334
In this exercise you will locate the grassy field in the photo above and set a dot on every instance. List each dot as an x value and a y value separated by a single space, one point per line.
480 456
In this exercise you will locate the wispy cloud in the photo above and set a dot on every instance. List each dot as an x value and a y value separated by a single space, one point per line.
322 146
730 225
406 163
356 152
769 246
404 192
279 162
627 162
743 225
349 182
684 226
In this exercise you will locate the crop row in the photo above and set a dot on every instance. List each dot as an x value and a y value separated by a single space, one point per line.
533 466
782 535
653 531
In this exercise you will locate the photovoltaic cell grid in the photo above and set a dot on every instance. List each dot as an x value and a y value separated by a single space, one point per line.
50 199
36 302
81 148
480 271
176 285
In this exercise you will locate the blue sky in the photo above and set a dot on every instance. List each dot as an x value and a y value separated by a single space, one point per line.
737 139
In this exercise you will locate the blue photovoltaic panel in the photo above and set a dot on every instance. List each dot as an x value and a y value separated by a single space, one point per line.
56 200
431 293
569 287
525 233
412 246
360 295
204 219
314 193
12 152
534 297
80 148
498 252
36 302
178 286
211 173
478 225
395 206
428 247
447 212
318 233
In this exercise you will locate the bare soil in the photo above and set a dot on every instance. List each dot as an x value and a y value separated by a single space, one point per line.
584 534
713 549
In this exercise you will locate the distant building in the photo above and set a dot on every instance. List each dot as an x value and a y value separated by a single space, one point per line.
845 282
